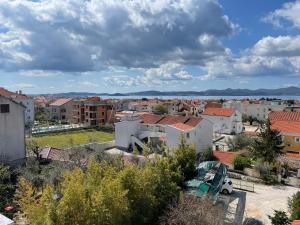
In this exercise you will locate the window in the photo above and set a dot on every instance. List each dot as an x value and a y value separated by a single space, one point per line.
297 139
4 108
187 135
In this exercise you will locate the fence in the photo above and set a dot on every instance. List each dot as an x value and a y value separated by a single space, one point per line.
243 185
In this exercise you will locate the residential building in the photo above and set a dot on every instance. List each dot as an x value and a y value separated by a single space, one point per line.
261 109
136 129
186 107
288 124
28 102
93 111
225 120
12 130
61 110
143 105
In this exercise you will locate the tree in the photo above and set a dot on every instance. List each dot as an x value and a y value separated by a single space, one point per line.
239 142
184 158
267 146
207 155
294 206
279 218
241 162
102 194
160 109
192 210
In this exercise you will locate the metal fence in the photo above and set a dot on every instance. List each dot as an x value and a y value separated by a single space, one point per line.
243 185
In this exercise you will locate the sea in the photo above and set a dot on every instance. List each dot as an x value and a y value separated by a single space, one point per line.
282 97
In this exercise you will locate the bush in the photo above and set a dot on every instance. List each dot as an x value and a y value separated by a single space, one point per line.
206 155
239 142
279 218
265 171
241 162
294 206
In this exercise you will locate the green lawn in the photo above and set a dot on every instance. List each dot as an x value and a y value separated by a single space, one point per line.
72 138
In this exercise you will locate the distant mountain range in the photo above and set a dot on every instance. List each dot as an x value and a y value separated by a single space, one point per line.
288 91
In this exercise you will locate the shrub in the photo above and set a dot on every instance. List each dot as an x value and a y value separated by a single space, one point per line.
207 155
239 142
265 171
294 206
241 162
279 218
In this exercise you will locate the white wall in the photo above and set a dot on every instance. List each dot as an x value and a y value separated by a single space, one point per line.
201 136
226 125
123 132
12 132
29 111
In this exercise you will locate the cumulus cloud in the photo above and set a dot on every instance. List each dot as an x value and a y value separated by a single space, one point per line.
270 56
168 73
82 35
288 13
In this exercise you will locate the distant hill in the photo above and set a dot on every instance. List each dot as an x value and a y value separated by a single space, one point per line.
288 91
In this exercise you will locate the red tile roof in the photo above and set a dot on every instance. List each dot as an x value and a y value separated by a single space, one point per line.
193 121
213 105
10 94
182 127
169 120
55 154
293 155
225 157
296 222
218 112
150 118
287 126
60 102
284 116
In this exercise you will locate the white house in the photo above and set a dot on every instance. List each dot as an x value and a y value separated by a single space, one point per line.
28 102
138 128
12 130
225 120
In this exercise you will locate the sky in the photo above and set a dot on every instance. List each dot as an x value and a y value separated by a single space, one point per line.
54 46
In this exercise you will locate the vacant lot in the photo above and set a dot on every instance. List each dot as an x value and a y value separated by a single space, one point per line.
72 138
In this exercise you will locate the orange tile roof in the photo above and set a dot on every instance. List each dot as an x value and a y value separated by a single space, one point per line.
10 94
60 102
293 155
169 120
213 105
296 222
193 121
284 116
225 157
150 118
286 126
218 112
182 126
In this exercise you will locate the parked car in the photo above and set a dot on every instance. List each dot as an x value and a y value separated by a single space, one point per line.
227 187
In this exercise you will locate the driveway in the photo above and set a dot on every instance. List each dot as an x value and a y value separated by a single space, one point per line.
258 204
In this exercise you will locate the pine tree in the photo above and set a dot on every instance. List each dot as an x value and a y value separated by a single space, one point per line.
267 146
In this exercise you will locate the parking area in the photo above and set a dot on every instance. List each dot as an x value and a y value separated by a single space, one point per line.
258 204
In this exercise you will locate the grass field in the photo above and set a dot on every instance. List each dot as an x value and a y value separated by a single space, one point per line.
72 138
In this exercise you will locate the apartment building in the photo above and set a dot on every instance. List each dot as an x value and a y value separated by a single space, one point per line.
225 120
61 110
93 111
28 102
136 129
12 130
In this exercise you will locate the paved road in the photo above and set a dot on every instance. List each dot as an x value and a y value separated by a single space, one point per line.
259 204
